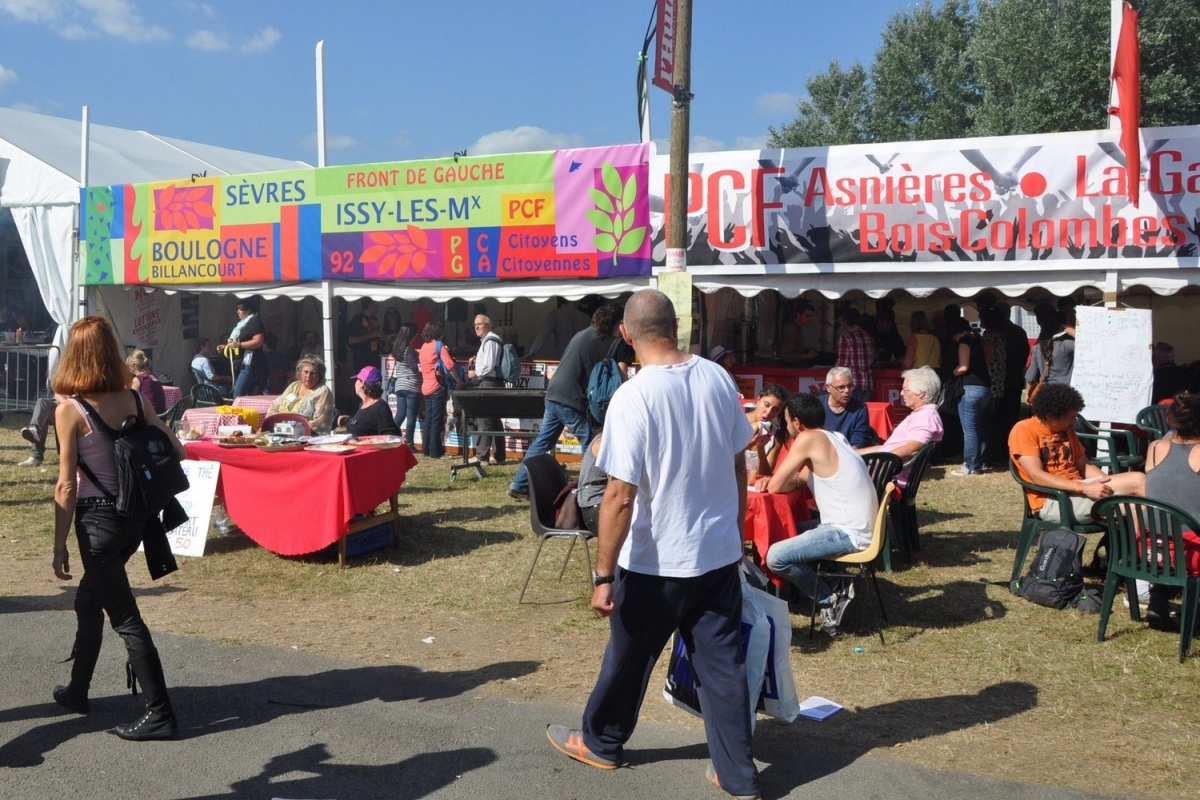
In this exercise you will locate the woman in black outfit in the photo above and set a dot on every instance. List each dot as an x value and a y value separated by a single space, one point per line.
93 374
374 417
971 368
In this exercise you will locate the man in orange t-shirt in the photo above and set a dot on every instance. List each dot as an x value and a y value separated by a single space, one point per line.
1048 453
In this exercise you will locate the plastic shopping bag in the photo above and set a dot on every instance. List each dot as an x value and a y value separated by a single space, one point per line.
778 695
680 689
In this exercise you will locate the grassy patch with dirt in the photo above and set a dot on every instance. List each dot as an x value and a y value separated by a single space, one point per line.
972 678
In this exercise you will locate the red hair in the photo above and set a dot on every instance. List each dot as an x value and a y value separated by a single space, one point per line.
91 362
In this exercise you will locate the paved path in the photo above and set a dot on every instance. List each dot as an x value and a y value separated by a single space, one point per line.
265 723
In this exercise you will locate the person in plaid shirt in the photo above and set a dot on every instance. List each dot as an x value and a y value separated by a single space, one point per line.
856 351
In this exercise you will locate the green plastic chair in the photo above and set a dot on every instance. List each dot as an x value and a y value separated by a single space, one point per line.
1120 453
1145 542
1032 525
207 396
1153 420
882 468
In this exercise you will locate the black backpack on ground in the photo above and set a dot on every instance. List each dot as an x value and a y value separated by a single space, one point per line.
148 471
1055 578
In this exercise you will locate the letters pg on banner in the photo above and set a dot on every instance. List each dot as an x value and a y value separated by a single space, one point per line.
189 538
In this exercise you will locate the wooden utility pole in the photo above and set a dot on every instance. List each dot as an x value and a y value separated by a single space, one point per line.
680 133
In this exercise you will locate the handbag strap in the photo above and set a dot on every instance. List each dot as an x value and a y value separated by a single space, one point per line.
98 422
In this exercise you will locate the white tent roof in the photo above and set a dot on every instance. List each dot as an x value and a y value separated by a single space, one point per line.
40 158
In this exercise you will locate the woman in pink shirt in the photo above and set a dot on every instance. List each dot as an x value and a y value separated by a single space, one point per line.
434 388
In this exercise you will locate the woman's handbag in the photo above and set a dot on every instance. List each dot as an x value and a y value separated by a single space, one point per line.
952 393
1032 392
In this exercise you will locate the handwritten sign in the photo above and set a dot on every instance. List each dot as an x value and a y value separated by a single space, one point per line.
1112 362
189 539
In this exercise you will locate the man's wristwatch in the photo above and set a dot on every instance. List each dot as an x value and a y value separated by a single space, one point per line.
600 580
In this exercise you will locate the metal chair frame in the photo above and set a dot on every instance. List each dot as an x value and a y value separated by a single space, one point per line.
863 559
546 479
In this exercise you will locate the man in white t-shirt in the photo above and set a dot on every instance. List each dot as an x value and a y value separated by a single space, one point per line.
668 548
845 497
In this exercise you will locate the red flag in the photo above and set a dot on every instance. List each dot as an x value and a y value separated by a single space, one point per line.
664 49
1127 72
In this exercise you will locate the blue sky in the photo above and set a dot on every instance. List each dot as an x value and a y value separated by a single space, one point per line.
412 79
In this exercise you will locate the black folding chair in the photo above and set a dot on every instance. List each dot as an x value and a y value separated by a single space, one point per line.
546 479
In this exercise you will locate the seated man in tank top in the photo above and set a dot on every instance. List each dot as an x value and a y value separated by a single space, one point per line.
845 497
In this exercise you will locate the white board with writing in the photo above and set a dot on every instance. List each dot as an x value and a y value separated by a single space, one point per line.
189 538
1112 362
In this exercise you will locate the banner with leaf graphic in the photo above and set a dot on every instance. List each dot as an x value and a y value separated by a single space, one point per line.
565 214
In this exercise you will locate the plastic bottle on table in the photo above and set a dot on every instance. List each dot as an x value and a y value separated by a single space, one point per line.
20 337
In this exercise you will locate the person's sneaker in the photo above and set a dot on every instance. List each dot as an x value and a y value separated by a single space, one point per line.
31 435
831 616
515 495
710 772
31 462
962 472
570 742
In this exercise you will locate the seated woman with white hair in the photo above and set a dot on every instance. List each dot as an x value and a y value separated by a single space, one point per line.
921 392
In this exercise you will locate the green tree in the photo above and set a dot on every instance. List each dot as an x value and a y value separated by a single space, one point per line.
1041 66
836 111
923 78
1000 67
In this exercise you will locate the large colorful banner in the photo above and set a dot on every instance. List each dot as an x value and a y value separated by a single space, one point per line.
1031 202
564 214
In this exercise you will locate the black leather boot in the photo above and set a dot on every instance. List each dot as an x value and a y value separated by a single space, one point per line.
158 721
85 653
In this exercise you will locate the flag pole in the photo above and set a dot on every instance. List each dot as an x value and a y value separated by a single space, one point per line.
1116 12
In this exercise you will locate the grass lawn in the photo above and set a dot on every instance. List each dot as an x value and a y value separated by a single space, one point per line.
972 678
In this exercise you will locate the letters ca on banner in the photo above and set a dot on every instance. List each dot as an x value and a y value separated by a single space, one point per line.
565 214
1032 202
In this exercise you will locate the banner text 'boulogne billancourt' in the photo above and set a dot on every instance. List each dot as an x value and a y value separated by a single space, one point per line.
564 214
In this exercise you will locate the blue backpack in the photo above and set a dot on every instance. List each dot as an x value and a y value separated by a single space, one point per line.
449 379
602 385
510 364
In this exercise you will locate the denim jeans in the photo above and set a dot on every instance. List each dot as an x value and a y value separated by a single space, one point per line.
244 379
434 426
556 417
407 404
789 558
970 409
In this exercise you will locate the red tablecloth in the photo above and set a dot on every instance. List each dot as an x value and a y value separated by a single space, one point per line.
772 517
301 502
884 417
172 395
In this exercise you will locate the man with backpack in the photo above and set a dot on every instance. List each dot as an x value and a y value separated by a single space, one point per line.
484 369
567 394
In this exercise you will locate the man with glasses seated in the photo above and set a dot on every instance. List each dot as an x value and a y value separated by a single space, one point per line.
844 413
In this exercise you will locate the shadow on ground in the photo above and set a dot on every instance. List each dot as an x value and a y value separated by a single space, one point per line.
208 710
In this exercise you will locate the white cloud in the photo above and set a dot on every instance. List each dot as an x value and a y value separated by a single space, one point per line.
402 139
206 40
30 107
32 10
775 104
702 144
119 18
524 139
262 41
7 76
750 143
332 142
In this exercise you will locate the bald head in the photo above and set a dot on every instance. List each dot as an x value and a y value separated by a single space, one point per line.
649 314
